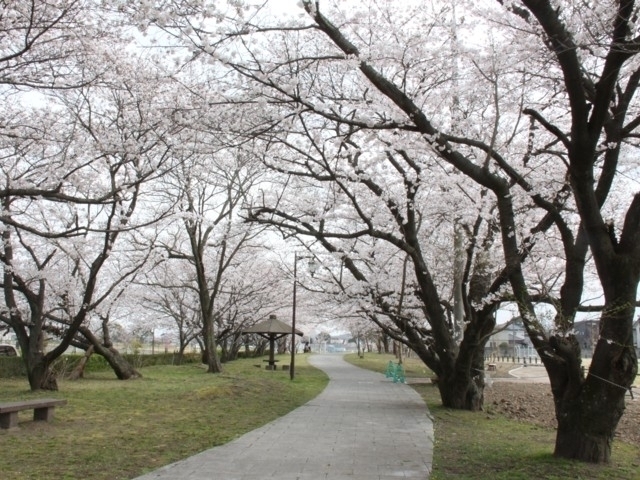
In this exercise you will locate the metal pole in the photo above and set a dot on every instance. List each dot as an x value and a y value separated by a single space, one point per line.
293 318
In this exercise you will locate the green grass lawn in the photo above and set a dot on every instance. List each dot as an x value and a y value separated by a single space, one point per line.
112 429
480 446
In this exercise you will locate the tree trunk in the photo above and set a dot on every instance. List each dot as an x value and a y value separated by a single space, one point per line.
282 346
233 350
462 392
123 369
212 361
460 374
78 372
463 389
458 280
224 350
179 357
589 413
39 372
587 423
230 346
385 343
261 348
210 351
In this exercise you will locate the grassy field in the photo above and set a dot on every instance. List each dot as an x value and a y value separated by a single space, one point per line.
112 429
479 446
117 430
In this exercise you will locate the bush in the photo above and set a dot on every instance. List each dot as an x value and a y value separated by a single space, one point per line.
148 360
14 366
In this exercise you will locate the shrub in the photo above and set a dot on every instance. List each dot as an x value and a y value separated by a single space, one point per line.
14 366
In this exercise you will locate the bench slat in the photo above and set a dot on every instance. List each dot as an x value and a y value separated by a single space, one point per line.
43 409
27 404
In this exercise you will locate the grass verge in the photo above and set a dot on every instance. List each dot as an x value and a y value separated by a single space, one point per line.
112 429
474 446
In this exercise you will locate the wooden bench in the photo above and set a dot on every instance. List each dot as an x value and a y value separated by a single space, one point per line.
43 409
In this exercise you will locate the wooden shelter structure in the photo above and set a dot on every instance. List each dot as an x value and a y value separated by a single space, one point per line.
272 329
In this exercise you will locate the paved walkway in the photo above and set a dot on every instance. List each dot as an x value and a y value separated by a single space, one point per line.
530 374
361 427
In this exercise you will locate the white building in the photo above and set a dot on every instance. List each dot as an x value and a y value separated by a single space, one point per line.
512 341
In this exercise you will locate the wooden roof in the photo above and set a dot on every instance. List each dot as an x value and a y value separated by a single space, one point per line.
271 326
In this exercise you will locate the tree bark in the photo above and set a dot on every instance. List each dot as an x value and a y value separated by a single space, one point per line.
586 425
231 347
461 393
384 341
78 372
589 414
179 357
210 353
39 372
463 387
123 369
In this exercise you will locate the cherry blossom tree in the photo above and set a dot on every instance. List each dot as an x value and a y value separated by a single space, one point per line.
251 289
354 186
528 113
594 125
209 189
591 128
169 296
44 44
72 173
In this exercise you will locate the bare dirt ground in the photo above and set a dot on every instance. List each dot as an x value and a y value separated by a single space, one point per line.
532 402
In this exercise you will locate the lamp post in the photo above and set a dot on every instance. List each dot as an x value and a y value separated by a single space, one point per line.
312 269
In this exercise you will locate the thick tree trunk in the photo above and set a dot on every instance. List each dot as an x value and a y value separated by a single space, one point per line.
463 392
460 378
123 369
461 385
39 372
463 388
586 425
211 359
587 421
589 413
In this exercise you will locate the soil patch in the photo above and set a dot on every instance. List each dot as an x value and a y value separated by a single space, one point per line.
533 403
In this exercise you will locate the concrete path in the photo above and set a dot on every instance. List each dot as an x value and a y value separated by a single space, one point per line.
361 427
528 374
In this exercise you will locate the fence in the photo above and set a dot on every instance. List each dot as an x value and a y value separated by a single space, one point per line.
530 360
